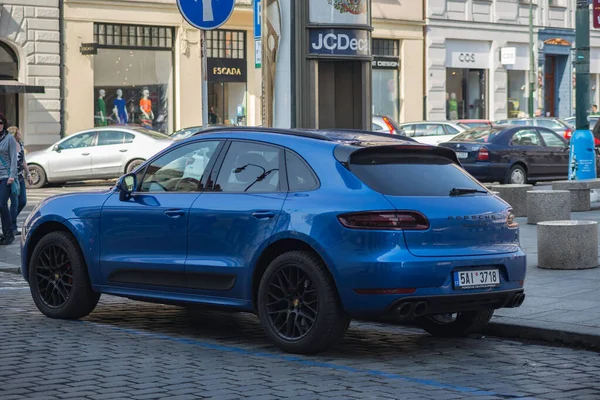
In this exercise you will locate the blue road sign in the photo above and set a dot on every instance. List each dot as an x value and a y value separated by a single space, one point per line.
257 19
206 14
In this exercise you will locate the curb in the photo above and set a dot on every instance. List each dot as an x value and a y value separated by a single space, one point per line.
537 333
11 270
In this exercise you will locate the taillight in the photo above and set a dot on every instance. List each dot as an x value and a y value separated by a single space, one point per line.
401 220
568 133
483 154
596 141
389 125
510 220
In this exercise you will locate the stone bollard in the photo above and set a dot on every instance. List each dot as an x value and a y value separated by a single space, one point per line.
515 195
548 205
567 244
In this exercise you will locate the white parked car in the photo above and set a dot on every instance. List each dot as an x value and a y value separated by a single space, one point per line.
432 132
99 153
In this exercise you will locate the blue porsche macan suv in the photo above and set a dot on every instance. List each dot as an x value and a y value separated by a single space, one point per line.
306 229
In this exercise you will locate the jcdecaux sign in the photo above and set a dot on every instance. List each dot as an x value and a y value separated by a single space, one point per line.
340 42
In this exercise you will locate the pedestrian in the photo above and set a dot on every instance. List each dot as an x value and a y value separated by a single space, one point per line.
594 109
8 174
18 201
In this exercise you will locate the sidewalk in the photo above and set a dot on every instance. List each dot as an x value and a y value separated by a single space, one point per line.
561 306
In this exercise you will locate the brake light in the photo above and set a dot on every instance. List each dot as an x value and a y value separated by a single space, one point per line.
389 125
596 141
568 133
483 154
401 220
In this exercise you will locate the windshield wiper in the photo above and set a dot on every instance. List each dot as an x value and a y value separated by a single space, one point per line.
461 191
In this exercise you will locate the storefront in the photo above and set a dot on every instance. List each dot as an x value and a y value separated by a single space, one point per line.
386 77
227 77
133 76
467 65
9 72
517 82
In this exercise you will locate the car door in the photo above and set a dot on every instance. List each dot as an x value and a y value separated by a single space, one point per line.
558 152
232 221
527 146
144 239
71 158
108 156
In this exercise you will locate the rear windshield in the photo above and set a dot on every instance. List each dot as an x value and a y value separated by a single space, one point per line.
477 135
411 175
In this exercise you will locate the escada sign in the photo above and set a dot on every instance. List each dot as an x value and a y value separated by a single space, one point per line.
342 42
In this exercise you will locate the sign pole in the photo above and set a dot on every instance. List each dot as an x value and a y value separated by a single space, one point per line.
204 80
532 74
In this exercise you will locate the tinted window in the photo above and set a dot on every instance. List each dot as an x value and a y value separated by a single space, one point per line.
526 137
106 138
250 167
451 130
300 176
547 123
129 137
77 141
377 128
552 139
521 122
404 175
180 170
477 135
428 130
409 130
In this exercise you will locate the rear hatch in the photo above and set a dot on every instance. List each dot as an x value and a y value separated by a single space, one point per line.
464 219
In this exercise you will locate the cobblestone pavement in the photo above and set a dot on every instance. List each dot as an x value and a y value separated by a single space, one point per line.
132 350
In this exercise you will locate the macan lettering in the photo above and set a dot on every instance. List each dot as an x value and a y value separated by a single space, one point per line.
226 71
341 41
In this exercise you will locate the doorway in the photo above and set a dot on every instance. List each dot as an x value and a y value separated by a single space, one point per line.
340 94
549 85
466 93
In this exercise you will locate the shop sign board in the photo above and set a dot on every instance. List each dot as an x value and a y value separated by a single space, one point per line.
88 49
257 53
508 55
227 70
339 42
385 63
467 54
206 14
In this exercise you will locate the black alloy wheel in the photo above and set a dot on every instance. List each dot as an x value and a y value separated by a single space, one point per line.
54 276
292 302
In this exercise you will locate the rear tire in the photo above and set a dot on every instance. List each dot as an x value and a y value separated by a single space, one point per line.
38 175
58 278
133 164
297 293
517 175
463 324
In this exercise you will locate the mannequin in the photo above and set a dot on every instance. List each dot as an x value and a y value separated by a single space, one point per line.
453 106
119 108
101 109
146 109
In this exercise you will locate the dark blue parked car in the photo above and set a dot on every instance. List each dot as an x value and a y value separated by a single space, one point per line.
306 229
512 154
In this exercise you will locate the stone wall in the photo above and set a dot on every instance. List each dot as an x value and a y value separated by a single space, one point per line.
31 28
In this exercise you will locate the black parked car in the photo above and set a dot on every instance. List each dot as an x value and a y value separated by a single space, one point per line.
512 154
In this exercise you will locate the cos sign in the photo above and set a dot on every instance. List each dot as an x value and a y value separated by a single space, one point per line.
466 57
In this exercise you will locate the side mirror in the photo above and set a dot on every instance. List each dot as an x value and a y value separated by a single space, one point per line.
127 185
56 148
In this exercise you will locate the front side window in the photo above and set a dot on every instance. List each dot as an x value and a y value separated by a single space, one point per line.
180 170
106 138
552 139
526 137
250 168
82 140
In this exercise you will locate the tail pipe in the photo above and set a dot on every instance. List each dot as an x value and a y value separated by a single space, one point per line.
518 300
420 309
405 310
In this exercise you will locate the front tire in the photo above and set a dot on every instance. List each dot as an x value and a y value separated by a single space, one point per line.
450 325
38 176
58 278
298 304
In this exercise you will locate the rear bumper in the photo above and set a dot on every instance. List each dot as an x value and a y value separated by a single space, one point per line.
487 171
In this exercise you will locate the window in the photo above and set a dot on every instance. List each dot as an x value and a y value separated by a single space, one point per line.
386 47
106 138
411 175
377 128
547 123
78 141
117 35
223 43
552 139
526 137
409 130
9 63
452 130
129 137
180 170
428 130
478 135
250 167
300 176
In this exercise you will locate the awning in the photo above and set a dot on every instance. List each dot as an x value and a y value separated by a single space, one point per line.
18 87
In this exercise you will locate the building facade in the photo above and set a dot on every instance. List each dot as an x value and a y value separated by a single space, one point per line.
30 76
466 76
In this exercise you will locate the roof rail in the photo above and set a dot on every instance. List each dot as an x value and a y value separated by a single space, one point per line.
292 132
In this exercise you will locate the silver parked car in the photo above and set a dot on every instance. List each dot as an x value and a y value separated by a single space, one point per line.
99 153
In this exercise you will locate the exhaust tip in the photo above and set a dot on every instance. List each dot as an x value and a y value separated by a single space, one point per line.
521 299
420 309
518 300
405 310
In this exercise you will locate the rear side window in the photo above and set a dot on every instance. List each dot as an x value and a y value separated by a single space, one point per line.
546 123
300 177
411 175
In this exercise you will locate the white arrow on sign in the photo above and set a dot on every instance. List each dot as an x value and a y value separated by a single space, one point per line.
207 10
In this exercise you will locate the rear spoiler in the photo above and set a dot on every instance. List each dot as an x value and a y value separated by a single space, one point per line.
343 153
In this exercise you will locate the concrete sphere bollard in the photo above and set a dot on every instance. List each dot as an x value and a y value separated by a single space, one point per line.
516 196
567 244
548 205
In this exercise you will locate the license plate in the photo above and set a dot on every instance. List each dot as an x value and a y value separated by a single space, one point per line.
476 279
462 154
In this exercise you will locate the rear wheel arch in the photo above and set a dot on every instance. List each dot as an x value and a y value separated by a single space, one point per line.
273 251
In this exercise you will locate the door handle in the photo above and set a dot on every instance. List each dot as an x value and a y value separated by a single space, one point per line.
174 213
123 150
85 154
263 214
